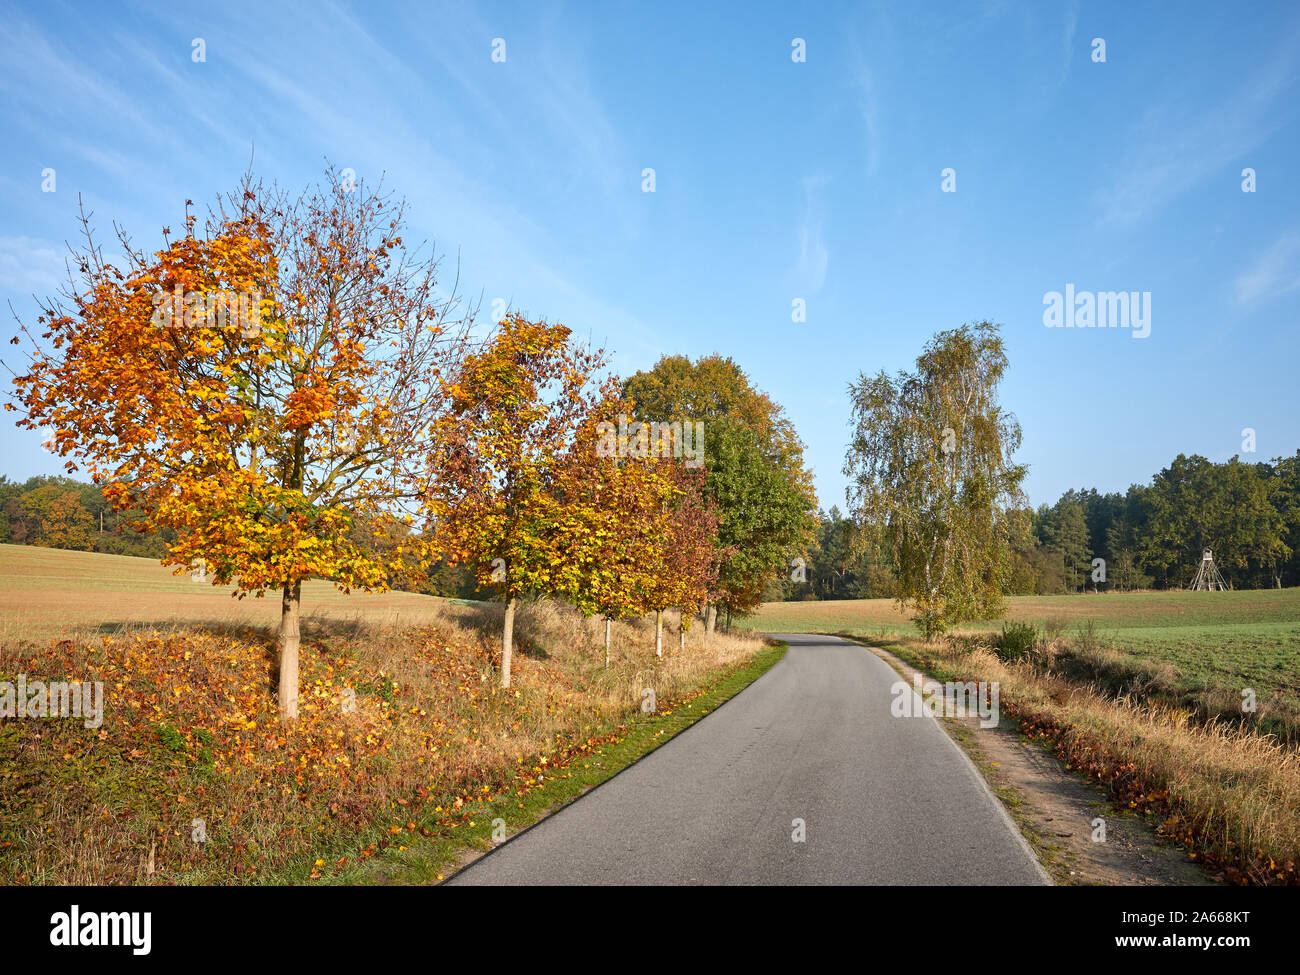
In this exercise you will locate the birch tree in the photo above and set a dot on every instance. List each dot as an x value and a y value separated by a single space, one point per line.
932 477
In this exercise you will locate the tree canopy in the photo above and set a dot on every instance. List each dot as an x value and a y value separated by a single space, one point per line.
755 476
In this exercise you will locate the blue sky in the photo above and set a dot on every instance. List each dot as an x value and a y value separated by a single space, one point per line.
775 180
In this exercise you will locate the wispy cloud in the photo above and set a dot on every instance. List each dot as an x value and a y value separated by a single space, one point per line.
1179 150
38 70
813 255
868 105
30 266
1277 272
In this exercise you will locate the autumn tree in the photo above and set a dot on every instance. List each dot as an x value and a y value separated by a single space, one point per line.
655 524
712 388
260 385
932 476
510 453
650 541
622 550
688 574
61 519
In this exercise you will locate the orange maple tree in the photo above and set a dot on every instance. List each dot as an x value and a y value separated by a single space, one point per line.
687 574
260 385
510 445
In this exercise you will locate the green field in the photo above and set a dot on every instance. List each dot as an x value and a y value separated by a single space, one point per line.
1227 639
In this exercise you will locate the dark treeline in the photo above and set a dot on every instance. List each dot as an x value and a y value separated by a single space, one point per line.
1150 537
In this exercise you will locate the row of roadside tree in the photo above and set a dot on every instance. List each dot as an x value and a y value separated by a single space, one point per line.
283 392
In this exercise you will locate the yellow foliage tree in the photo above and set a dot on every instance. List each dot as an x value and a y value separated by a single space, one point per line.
260 386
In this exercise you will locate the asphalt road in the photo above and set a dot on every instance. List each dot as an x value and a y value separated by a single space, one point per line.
883 799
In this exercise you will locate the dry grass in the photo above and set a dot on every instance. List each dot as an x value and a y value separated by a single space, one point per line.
45 593
190 733
1116 673
1230 796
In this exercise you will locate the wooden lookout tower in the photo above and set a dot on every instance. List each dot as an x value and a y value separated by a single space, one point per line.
1208 576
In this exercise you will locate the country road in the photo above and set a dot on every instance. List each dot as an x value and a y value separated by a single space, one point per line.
883 799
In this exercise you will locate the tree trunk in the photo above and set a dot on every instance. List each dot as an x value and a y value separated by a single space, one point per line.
607 643
659 632
289 640
710 618
507 640
681 633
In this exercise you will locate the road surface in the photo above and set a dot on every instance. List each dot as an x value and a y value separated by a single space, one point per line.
882 799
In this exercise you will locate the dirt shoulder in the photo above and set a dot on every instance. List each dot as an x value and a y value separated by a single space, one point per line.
1056 810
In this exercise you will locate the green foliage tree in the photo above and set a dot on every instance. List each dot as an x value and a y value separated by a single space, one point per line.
1065 530
1286 500
762 516
1194 504
755 473
834 567
1022 574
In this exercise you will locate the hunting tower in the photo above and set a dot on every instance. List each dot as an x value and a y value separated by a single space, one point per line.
1208 576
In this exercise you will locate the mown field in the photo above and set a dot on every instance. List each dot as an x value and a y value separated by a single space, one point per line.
46 592
1223 638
